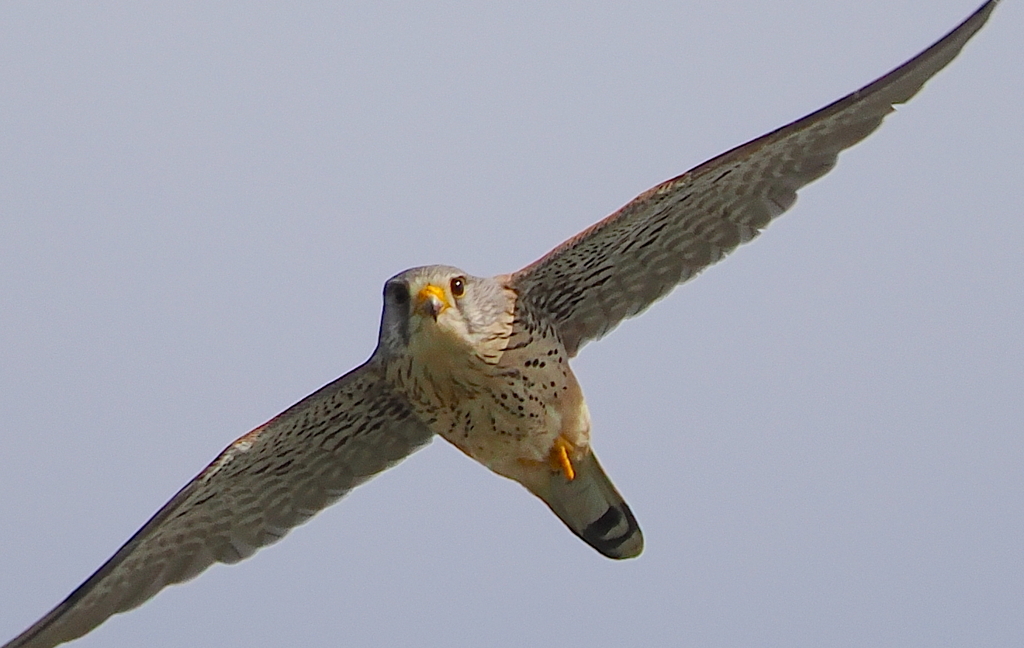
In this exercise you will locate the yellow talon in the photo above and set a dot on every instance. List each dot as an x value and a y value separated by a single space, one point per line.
560 458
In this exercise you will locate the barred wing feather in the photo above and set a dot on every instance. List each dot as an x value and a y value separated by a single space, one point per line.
669 234
268 481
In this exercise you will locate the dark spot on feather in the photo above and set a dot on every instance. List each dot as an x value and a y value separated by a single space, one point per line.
203 500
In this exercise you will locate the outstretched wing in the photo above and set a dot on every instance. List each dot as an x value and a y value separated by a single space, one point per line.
618 267
268 481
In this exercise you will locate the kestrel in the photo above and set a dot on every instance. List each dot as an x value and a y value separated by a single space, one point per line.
484 363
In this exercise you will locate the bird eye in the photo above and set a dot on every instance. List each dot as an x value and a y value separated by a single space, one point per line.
458 286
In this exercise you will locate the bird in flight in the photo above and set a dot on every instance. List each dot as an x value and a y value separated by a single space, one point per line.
484 363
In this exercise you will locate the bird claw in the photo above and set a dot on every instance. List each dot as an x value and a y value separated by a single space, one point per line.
559 458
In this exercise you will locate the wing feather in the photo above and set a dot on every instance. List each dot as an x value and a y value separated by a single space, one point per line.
268 481
670 233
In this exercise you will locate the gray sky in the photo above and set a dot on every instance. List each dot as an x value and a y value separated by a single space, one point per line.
821 437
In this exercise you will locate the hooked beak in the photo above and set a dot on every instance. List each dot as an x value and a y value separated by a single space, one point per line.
431 301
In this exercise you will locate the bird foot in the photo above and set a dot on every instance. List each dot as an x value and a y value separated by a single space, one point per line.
559 458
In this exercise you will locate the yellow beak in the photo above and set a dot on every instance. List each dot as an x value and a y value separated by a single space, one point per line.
431 301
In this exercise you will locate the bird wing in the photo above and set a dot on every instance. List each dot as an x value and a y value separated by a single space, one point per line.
670 233
268 481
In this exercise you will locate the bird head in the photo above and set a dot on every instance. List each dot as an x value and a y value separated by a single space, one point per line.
443 309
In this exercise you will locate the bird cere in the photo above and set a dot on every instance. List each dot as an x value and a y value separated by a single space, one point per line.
484 363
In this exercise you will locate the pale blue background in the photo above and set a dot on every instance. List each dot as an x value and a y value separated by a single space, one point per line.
822 437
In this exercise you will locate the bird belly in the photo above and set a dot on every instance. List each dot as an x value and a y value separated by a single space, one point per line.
517 420
507 416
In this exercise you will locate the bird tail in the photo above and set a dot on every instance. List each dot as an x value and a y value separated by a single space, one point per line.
592 509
